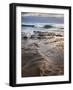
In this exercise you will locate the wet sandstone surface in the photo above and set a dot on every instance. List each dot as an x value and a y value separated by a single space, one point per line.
42 57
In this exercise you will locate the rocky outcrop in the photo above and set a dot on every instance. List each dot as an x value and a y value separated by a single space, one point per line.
43 57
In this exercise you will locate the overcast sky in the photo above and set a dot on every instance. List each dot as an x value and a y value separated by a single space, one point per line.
42 18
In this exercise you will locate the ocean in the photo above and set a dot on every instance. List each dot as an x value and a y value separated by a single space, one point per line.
56 27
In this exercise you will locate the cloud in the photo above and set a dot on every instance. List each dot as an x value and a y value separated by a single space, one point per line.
43 14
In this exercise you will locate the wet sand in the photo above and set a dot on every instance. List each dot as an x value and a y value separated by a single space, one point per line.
43 57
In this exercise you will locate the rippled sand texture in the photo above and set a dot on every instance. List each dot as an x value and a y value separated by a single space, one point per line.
43 57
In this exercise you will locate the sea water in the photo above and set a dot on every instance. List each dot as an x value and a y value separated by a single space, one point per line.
41 29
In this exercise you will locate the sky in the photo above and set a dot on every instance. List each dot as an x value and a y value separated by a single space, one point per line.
42 18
